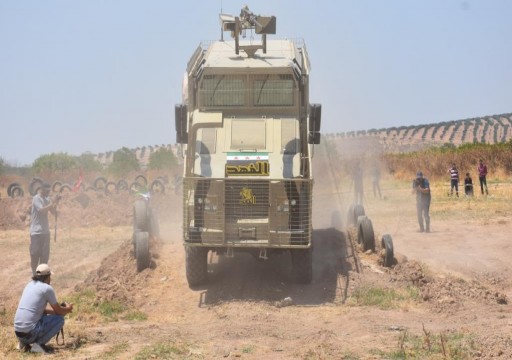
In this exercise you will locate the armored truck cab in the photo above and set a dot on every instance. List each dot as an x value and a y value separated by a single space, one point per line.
248 131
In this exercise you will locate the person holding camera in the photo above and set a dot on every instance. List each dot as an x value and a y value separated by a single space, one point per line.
39 316
39 226
421 188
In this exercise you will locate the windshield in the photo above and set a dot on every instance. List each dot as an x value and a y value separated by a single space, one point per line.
247 90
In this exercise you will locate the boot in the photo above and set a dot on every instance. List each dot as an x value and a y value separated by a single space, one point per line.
427 229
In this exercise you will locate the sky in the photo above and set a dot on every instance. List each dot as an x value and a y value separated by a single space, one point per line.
95 76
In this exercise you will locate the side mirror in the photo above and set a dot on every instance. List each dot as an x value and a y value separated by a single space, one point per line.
180 119
315 118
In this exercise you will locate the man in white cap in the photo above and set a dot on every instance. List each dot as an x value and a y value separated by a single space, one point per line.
39 316
39 227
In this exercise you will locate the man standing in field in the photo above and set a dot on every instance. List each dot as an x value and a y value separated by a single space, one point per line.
482 176
421 187
357 177
468 185
39 227
39 316
376 179
454 179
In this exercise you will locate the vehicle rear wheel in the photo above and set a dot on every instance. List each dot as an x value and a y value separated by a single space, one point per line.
387 245
365 234
140 216
196 265
142 250
302 265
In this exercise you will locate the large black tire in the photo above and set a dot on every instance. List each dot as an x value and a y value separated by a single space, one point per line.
196 265
302 265
140 216
141 179
365 234
354 211
111 188
100 183
17 191
10 187
65 188
135 187
142 250
387 244
164 179
358 211
122 185
56 186
157 187
34 185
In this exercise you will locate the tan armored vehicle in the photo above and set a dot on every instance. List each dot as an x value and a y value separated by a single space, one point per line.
247 130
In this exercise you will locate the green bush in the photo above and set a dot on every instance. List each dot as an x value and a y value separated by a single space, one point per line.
162 159
124 161
53 163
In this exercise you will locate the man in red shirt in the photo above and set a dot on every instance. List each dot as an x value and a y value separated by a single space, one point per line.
482 174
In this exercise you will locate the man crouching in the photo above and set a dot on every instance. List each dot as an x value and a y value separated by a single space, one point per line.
39 316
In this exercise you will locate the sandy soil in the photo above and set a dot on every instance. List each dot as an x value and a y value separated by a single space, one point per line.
460 272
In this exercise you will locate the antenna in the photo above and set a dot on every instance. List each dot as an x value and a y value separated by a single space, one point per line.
221 31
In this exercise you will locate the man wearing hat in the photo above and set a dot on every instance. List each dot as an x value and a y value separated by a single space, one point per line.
421 187
39 227
39 316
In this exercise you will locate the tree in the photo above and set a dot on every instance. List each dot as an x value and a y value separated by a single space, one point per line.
123 162
162 159
88 163
51 163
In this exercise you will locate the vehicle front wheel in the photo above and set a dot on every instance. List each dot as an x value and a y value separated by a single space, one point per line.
196 265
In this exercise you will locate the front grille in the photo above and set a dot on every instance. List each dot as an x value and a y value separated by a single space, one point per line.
246 199
247 212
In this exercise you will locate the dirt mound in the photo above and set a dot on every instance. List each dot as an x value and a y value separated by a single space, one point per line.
117 277
447 293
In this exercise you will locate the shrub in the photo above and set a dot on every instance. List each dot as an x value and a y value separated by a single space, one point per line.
162 159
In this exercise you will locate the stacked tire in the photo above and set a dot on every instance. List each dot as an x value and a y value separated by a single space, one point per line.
141 234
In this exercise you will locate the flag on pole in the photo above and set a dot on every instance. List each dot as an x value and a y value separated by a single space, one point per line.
76 187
